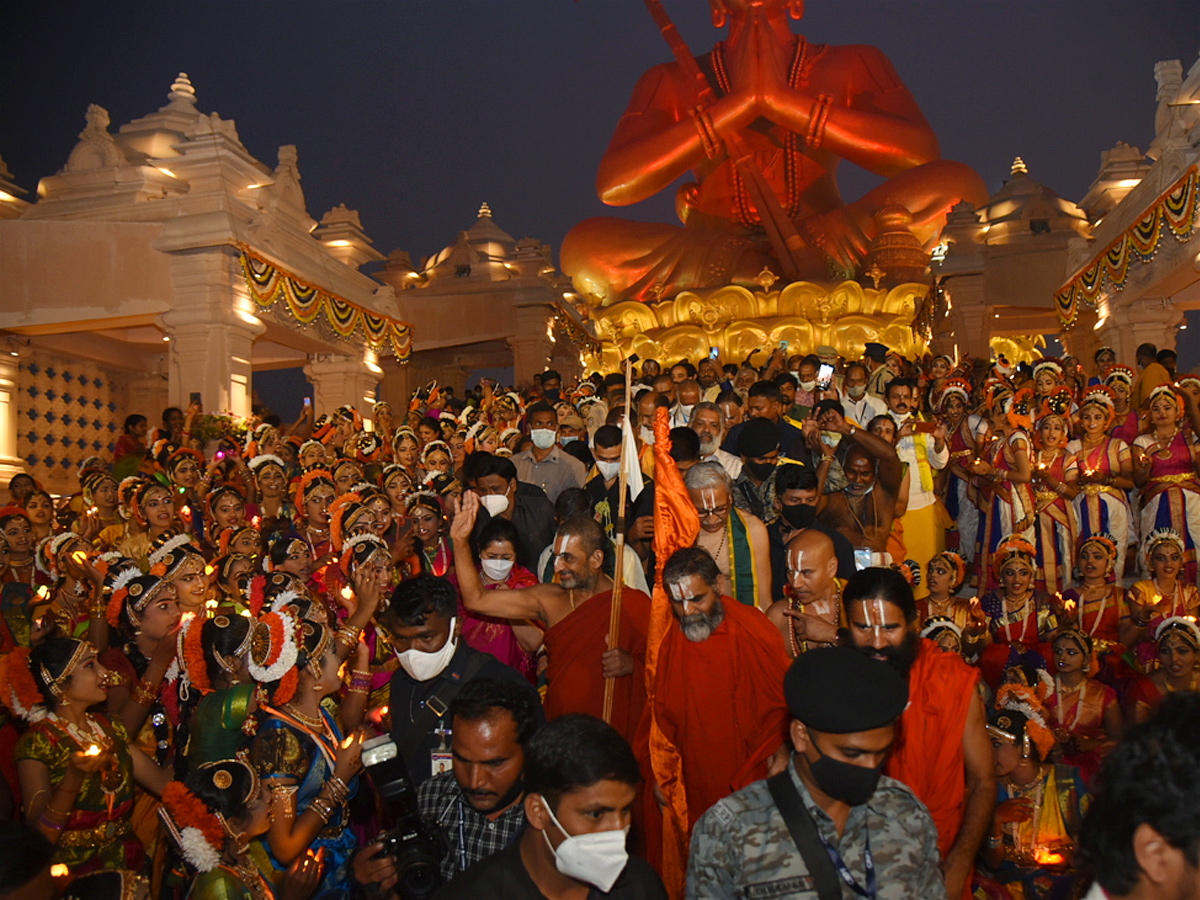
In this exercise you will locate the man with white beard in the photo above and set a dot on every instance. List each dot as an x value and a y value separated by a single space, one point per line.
717 693
709 424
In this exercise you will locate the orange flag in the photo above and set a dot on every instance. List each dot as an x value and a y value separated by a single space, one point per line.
676 525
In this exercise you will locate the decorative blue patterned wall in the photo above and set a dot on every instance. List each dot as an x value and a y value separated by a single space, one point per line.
68 409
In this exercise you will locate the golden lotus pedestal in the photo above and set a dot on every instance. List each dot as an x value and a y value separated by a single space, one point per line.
737 320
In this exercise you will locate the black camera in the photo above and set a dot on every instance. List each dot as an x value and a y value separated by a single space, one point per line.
416 846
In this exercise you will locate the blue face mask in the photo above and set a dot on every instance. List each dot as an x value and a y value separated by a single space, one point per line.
567 438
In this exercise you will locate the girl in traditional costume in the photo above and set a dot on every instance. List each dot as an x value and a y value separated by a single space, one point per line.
299 751
1055 475
1020 617
1167 459
275 508
1178 642
221 697
1163 595
953 404
1105 474
214 819
1039 804
1085 714
1006 504
77 769
1126 425
1096 605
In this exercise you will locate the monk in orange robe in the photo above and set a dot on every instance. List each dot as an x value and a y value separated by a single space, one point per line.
575 646
717 694
942 750
575 613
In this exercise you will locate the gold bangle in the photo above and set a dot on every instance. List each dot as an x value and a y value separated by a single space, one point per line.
321 808
145 693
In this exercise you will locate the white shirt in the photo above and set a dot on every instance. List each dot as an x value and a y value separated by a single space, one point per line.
906 449
862 411
730 463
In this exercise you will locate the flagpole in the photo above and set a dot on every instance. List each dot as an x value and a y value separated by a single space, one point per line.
614 616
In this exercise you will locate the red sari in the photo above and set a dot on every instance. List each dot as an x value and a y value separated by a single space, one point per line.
495 636
1080 714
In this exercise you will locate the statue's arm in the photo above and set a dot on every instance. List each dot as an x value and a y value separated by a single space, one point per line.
657 140
873 121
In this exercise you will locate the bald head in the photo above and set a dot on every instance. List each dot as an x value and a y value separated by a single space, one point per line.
812 565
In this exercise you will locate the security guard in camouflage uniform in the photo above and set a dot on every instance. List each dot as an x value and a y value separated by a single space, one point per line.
872 837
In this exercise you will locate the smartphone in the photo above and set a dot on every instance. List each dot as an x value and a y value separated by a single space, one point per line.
195 398
713 353
924 427
824 376
862 558
308 401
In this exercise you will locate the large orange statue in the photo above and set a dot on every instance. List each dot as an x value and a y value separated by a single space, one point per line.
762 122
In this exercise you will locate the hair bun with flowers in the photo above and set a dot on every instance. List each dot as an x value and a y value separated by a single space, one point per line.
1009 548
118 590
263 461
18 691
1020 699
46 556
194 668
1123 374
274 651
164 547
197 830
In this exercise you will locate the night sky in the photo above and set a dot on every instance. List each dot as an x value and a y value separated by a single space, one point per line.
414 113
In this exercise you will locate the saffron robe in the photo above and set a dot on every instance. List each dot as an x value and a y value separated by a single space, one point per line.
720 703
574 674
928 753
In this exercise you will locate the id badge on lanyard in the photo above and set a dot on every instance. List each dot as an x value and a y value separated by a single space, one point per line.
440 758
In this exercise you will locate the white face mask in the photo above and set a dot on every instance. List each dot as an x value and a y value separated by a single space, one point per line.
856 391
685 411
807 385
647 435
543 438
608 470
422 665
597 859
900 418
496 569
495 504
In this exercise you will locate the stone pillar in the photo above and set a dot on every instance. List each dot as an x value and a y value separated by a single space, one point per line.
1146 320
398 383
1082 340
973 330
212 330
339 380
530 344
10 380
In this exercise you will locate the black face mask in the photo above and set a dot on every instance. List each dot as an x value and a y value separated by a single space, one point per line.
800 516
553 394
760 470
842 781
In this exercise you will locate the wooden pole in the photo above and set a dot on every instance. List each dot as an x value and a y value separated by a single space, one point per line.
614 616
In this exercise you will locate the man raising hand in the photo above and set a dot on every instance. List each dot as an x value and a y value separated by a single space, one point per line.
575 613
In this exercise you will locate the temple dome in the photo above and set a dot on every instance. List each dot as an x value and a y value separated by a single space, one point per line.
1025 209
484 249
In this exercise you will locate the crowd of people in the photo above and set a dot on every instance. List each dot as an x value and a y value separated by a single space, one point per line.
800 626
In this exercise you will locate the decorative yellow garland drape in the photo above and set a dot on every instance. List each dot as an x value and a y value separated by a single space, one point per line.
306 303
1174 211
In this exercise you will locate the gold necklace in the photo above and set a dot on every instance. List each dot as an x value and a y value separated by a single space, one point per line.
317 724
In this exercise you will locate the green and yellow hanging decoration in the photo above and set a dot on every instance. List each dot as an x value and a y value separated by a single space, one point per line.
1173 211
308 304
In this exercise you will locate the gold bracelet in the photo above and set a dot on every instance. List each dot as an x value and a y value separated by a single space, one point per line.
338 788
144 693
321 808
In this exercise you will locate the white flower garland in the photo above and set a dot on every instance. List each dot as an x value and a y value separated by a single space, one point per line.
288 652
197 850
283 598
263 459
1186 622
169 546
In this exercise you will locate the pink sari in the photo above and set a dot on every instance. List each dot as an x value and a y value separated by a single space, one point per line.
495 636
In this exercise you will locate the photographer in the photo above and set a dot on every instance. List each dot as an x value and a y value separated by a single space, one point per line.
435 664
477 805
581 779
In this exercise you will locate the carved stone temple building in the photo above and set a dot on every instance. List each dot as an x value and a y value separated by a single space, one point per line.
164 260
